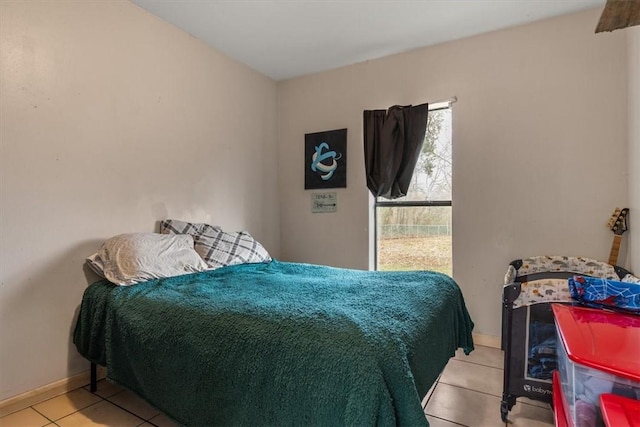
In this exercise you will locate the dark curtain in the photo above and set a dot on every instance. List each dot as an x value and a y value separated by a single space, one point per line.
392 143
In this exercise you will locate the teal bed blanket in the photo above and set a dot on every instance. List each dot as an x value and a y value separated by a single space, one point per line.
278 343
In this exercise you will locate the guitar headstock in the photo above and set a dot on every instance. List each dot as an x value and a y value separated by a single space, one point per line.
618 221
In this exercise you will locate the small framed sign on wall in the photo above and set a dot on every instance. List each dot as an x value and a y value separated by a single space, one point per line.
324 202
325 159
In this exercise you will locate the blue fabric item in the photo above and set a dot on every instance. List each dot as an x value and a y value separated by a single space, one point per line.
542 350
606 292
279 344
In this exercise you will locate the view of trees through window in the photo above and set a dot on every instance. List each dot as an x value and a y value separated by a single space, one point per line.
414 232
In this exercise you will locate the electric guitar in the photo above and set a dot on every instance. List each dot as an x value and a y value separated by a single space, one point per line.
617 224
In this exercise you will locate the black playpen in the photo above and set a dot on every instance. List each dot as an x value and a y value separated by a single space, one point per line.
528 327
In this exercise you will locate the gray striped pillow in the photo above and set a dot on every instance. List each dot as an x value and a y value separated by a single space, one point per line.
219 248
229 248
175 226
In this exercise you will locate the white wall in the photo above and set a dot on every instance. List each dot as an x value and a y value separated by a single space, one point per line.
540 145
112 120
633 43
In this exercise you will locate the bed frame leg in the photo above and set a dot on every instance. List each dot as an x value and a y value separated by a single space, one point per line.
94 378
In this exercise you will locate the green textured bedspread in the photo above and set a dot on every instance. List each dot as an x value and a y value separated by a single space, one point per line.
278 343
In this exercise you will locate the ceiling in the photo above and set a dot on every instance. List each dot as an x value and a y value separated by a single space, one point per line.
289 38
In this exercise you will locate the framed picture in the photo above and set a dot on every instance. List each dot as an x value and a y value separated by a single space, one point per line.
325 159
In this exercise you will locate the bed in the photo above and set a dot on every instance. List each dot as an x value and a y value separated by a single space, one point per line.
278 343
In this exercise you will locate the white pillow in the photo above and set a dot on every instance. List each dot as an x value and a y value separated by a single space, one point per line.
95 262
137 257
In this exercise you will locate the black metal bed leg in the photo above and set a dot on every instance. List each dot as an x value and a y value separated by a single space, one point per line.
94 378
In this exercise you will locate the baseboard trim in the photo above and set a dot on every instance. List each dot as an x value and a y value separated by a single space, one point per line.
40 394
486 340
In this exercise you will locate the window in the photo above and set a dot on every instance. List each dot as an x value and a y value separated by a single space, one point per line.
414 232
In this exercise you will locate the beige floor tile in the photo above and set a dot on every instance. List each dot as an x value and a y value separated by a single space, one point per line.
106 389
482 355
25 418
131 402
462 406
66 404
100 414
523 415
474 377
533 402
162 420
438 422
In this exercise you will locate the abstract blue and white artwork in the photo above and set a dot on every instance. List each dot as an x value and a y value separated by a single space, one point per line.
325 159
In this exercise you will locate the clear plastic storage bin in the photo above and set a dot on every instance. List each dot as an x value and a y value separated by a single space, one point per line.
598 353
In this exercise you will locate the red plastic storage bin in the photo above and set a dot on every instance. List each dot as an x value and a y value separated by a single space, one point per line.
619 411
559 416
598 353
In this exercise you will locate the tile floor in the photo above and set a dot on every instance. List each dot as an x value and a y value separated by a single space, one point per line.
467 393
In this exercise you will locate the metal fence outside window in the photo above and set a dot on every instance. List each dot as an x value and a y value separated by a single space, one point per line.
395 231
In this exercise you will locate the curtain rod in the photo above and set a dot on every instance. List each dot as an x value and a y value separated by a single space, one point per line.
446 101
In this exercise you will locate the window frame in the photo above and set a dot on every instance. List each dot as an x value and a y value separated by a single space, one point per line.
408 204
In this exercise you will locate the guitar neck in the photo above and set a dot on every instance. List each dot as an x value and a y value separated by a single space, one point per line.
615 249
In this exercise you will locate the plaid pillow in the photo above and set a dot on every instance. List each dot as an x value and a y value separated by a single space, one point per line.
233 248
174 226
216 247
